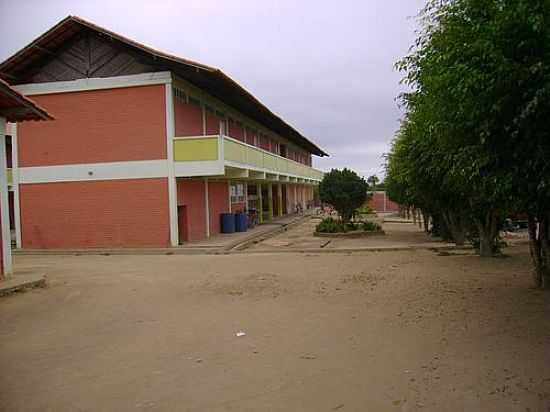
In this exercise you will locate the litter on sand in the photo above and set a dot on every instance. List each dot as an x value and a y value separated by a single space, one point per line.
240 334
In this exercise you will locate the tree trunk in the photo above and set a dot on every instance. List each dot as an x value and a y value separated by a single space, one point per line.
539 248
426 219
487 234
414 216
456 227
419 218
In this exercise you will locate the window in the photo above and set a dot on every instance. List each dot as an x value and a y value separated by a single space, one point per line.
237 192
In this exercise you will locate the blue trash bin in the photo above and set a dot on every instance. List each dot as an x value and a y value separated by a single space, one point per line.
228 222
241 222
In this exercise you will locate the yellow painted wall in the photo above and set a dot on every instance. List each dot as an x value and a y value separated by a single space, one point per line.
194 149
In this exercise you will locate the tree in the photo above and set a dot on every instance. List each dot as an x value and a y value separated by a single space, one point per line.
345 191
480 79
373 181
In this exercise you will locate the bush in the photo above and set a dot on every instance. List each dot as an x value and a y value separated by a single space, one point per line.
365 210
329 225
371 226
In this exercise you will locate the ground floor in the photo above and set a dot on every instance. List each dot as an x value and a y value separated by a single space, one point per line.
201 203
412 331
142 212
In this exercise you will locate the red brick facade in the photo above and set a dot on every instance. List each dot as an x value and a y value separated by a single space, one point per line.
97 126
218 199
381 203
191 201
109 213
188 118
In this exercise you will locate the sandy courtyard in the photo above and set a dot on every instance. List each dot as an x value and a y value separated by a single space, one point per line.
391 331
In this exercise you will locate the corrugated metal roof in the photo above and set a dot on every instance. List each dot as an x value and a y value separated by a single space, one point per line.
210 79
16 108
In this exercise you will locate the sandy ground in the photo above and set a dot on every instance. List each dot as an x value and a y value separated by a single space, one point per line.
387 331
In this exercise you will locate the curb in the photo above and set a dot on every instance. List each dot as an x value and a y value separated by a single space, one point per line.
359 250
18 283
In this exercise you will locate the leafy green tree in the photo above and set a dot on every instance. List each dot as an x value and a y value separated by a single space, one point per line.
345 191
373 181
480 79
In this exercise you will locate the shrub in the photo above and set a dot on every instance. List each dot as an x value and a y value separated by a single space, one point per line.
329 225
371 226
365 210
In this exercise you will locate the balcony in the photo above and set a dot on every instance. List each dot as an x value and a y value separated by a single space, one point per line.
218 155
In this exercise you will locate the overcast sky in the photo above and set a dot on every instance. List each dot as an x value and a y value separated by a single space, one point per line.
326 67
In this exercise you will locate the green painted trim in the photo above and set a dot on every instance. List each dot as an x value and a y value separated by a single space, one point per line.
9 175
195 149
239 152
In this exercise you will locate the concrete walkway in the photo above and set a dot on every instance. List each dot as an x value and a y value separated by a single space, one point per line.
400 236
20 281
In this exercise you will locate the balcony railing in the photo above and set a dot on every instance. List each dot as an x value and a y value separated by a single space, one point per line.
241 155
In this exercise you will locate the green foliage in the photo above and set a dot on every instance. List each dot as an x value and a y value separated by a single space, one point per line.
329 225
373 181
474 142
365 210
344 190
369 226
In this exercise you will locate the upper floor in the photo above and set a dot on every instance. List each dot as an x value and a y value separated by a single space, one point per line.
116 100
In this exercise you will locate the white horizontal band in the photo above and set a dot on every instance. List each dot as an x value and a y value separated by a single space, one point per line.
95 83
139 169
199 168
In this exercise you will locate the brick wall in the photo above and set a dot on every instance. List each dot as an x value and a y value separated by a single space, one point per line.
218 199
188 119
109 213
96 126
191 195
376 202
236 130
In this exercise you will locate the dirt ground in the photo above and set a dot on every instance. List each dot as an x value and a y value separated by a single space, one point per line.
381 331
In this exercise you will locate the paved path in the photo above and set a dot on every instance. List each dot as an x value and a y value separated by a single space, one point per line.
399 236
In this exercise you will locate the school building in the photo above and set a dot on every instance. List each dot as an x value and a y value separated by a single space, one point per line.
146 149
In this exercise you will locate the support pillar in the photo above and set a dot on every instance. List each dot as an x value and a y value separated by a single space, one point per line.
295 198
279 199
207 207
259 203
269 202
4 204
171 178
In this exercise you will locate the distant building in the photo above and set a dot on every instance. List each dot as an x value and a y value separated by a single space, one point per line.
147 149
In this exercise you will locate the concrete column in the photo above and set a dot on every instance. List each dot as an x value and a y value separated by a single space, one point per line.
295 198
207 207
259 203
270 202
279 199
4 204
